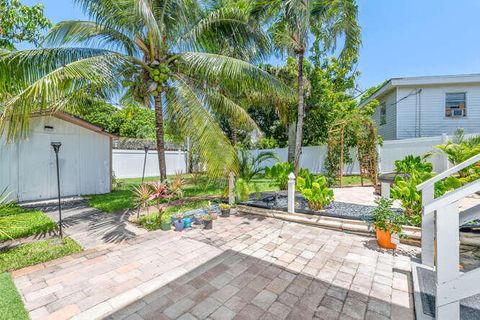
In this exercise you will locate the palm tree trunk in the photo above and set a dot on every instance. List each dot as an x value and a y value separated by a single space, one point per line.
234 132
160 136
300 114
292 131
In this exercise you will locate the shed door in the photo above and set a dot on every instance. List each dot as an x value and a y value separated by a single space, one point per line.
35 168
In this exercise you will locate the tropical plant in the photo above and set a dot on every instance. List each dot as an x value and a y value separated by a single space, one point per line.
160 53
159 191
291 24
141 196
177 183
251 165
242 189
224 206
21 23
196 177
315 190
413 164
385 219
279 174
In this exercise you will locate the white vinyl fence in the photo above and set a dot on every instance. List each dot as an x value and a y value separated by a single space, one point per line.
129 163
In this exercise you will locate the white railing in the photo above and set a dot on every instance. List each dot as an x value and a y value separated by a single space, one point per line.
428 221
441 221
452 285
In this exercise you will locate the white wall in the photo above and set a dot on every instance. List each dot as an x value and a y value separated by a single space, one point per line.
388 131
129 163
27 167
428 112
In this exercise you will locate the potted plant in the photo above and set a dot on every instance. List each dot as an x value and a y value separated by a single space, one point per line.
178 222
166 222
387 224
225 209
207 221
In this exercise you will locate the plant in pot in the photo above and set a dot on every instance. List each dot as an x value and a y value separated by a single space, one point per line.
387 224
187 222
178 222
225 209
207 221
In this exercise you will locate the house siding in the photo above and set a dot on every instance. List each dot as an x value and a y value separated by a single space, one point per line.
424 116
388 130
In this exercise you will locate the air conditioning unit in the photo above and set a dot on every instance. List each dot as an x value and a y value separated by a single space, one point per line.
458 113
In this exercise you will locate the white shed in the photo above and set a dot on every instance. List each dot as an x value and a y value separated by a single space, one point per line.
27 167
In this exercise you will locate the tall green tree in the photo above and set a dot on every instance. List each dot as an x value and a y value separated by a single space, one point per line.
163 51
293 22
20 23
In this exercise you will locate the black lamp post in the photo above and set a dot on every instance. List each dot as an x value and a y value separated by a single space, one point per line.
56 147
146 147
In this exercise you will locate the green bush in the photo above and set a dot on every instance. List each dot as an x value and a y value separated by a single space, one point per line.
315 190
243 190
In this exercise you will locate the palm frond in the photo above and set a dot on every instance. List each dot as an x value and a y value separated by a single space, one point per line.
89 32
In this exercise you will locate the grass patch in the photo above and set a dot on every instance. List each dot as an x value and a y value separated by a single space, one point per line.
36 252
152 221
17 222
11 305
354 180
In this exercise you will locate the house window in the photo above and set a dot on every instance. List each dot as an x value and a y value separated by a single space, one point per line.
456 105
383 114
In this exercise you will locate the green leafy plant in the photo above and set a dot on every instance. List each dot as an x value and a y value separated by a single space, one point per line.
141 196
224 206
279 173
315 190
250 165
413 164
383 217
208 217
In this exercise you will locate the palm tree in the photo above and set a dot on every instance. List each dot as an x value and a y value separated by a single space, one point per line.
292 22
161 52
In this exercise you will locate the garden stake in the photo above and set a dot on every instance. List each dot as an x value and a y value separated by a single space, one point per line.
56 147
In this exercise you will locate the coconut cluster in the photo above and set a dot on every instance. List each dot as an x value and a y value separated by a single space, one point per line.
160 75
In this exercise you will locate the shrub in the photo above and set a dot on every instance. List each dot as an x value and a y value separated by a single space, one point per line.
279 173
250 166
243 190
315 190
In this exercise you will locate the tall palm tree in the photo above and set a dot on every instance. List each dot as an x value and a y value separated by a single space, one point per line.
162 51
293 22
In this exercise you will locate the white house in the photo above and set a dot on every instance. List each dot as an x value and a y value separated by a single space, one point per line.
27 167
427 106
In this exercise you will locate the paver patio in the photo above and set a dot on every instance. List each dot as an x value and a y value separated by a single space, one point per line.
245 268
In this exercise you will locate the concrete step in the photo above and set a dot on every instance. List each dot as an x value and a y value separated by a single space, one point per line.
425 291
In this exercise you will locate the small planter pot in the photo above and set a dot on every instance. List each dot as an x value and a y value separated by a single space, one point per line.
166 225
187 223
384 239
178 225
225 213
207 224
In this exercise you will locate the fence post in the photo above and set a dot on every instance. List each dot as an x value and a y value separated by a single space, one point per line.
445 162
379 158
231 188
291 193
428 227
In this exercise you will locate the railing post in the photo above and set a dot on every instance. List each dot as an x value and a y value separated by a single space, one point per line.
291 193
231 188
428 228
448 241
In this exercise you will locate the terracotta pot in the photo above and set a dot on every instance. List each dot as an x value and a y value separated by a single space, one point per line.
384 239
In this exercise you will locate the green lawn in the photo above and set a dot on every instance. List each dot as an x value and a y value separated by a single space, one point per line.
36 252
16 222
355 180
11 305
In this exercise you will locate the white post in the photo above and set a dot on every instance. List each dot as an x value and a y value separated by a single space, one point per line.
428 228
448 242
445 162
231 188
379 158
385 189
291 193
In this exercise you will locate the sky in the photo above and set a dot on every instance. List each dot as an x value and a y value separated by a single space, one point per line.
401 38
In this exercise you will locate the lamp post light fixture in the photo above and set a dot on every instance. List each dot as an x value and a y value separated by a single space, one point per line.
56 147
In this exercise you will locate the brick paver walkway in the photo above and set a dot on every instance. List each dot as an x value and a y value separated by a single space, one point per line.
245 268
